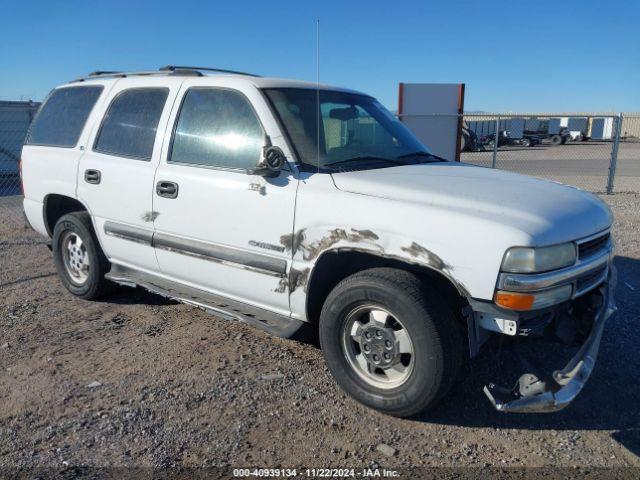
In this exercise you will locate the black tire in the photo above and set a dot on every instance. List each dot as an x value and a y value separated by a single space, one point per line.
556 140
436 339
525 142
95 285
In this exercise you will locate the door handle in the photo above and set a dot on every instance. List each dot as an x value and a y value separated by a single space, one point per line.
92 176
167 189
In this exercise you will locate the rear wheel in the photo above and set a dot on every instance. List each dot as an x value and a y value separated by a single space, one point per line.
79 260
556 140
388 342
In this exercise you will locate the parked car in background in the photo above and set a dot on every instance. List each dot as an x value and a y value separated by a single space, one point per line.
229 192
505 139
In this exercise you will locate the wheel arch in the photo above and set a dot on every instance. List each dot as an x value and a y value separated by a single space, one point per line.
56 205
334 265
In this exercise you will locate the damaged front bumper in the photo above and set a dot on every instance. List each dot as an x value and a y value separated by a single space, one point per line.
532 394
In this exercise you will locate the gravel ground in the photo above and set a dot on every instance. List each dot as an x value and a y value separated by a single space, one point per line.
137 381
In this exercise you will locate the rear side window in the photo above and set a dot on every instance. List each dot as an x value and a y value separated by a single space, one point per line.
217 128
129 126
61 118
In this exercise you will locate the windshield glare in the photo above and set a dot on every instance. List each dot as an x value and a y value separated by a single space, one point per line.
356 131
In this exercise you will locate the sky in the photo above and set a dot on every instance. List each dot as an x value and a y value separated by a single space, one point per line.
513 56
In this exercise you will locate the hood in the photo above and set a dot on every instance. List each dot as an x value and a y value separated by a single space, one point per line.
547 211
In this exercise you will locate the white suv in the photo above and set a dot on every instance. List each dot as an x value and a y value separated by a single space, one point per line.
279 203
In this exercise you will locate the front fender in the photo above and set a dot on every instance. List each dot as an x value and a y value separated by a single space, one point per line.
308 245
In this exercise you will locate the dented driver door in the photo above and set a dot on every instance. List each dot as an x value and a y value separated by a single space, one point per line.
218 228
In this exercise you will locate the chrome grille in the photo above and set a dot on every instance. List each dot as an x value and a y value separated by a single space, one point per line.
591 280
593 246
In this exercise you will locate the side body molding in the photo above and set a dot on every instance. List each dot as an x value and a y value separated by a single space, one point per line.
127 232
205 250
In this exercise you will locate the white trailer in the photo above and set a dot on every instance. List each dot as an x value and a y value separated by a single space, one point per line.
602 128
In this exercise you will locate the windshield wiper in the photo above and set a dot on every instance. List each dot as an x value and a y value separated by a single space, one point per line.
424 154
365 159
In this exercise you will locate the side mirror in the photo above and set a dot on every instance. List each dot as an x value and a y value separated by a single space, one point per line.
273 160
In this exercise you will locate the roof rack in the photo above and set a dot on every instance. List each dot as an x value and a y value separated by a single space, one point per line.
176 68
166 70
103 72
108 74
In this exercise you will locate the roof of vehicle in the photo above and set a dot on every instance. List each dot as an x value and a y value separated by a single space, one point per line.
170 71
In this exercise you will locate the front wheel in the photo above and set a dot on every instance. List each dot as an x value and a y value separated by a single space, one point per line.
389 342
79 260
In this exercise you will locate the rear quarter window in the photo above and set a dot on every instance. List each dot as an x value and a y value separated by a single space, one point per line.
129 126
61 118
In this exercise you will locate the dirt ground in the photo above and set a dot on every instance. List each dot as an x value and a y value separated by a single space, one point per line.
138 381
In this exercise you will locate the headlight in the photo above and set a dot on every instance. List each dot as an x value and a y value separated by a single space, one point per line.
540 259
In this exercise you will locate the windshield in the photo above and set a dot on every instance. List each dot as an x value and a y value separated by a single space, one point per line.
356 131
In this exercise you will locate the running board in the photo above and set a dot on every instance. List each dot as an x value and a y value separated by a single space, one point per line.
274 323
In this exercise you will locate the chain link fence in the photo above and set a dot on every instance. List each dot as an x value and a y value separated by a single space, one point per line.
586 151
595 152
627 172
15 118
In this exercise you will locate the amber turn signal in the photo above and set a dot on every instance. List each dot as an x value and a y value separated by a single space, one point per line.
514 301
